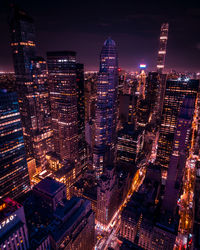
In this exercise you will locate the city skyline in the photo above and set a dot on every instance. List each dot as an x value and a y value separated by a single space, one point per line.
107 158
85 27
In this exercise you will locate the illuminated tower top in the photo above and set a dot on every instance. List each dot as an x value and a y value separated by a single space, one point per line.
162 47
106 108
22 30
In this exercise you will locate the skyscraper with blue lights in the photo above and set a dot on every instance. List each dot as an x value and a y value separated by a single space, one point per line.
106 108
14 179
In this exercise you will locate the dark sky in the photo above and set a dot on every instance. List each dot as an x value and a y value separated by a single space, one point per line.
134 25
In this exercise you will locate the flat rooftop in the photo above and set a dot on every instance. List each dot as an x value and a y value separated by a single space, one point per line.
64 170
49 186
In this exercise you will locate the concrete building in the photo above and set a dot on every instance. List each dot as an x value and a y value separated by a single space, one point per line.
106 197
73 227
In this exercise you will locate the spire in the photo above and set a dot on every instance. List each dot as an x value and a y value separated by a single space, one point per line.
109 42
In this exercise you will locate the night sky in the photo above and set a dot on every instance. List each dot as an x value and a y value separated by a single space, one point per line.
134 25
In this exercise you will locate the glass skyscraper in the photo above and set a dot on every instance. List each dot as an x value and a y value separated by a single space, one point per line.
22 32
32 87
104 151
63 98
42 132
14 179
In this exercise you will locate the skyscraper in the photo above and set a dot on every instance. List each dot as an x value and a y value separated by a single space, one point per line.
14 179
22 32
42 132
162 47
175 92
32 87
179 155
63 98
156 84
81 113
106 108
106 197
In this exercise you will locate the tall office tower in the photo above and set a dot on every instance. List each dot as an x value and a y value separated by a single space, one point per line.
175 92
63 98
162 47
81 113
23 49
41 125
13 229
14 179
32 88
179 155
155 91
106 108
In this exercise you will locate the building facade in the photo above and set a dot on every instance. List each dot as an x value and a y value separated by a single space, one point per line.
14 178
13 229
106 197
175 92
129 145
180 152
63 98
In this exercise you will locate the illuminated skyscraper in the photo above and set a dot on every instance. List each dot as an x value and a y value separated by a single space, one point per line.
81 113
175 92
106 108
141 82
181 145
162 47
42 133
63 97
32 87
14 179
23 49
155 91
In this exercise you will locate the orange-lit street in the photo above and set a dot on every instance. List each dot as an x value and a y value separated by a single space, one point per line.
184 238
186 202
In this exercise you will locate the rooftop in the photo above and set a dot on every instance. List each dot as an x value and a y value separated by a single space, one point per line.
64 170
7 207
49 186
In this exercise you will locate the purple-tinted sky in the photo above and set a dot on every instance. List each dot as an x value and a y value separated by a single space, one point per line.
134 25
